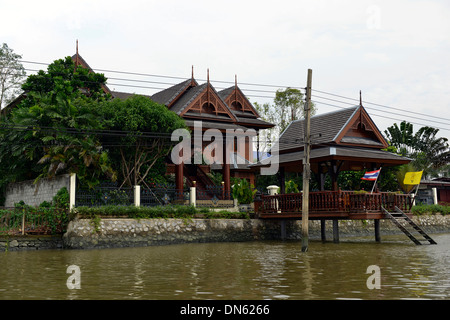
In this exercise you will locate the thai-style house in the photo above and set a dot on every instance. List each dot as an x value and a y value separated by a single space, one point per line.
228 111
347 139
203 108
344 140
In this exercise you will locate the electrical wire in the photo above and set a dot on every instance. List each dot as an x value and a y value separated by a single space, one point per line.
408 115
383 106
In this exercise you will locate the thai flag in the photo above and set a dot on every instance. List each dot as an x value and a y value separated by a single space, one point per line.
371 175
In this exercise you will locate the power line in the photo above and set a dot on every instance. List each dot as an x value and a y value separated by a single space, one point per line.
255 90
382 116
383 106
176 77
412 117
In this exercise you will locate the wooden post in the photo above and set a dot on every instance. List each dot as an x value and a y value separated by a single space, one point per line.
323 230
282 180
179 180
377 230
23 221
283 229
306 166
336 231
226 170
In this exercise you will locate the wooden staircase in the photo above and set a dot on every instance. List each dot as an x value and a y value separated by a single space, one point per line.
409 227
195 173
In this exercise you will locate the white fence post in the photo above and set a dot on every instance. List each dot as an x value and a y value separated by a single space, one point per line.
72 190
192 197
137 196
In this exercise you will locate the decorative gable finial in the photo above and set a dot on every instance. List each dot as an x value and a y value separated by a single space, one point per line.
207 86
360 98
76 59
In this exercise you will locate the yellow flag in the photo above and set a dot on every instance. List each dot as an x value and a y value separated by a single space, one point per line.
413 177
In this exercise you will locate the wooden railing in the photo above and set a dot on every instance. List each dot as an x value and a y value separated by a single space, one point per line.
334 201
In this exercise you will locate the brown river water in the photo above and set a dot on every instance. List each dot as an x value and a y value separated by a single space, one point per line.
258 270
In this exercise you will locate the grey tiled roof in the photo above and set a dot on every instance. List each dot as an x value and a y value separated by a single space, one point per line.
168 95
337 151
324 129
187 98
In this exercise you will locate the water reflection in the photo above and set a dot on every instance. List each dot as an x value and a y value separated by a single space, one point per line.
252 270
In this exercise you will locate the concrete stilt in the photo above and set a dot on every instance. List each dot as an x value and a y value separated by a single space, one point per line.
322 230
377 230
283 229
336 231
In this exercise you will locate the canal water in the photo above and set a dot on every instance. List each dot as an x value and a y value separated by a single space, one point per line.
251 270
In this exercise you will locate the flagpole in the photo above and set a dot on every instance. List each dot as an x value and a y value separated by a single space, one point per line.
415 195
376 180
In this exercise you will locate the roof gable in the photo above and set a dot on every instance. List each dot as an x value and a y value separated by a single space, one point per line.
79 61
350 126
204 101
324 128
238 102
361 130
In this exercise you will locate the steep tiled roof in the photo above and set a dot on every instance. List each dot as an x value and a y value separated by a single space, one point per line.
187 98
168 95
324 129
371 155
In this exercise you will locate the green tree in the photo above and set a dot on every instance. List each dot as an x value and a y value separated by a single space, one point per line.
143 128
12 74
63 79
428 151
288 105
54 129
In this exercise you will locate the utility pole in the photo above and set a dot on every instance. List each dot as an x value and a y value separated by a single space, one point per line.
306 165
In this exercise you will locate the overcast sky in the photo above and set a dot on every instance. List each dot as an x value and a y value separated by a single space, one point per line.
396 52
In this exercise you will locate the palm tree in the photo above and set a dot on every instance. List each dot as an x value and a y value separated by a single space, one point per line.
429 153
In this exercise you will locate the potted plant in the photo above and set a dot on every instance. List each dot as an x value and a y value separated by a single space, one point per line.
244 193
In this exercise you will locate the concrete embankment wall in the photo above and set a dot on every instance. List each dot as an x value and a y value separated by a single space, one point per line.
109 233
113 233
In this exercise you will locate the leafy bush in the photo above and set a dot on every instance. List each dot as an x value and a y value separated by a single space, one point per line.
170 211
291 187
423 209
45 219
243 191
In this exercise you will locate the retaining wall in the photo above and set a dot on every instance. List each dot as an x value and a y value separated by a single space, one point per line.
113 233
21 243
109 233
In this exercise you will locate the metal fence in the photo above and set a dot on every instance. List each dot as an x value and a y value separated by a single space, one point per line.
110 193
163 195
107 193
